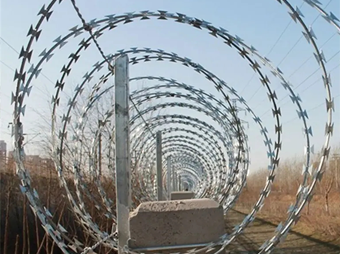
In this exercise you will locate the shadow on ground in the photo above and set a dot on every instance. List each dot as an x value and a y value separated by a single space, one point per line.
261 230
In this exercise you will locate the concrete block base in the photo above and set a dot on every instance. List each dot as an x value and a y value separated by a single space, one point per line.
177 195
171 223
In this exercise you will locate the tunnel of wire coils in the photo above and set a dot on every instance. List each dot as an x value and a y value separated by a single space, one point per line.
203 133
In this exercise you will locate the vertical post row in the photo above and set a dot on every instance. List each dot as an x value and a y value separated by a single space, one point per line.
99 151
168 178
159 165
122 138
179 183
173 179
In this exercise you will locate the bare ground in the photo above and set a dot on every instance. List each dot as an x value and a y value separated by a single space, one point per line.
261 230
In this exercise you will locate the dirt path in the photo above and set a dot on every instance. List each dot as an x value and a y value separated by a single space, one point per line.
260 230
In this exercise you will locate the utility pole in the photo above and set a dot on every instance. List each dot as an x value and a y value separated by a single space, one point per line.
122 138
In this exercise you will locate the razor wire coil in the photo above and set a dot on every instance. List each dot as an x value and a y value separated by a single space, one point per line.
193 144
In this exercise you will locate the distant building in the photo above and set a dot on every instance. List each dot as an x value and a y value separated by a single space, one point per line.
34 164
39 166
10 162
3 155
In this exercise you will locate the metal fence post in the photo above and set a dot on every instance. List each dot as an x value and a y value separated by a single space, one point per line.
168 183
159 165
99 151
179 183
173 178
122 138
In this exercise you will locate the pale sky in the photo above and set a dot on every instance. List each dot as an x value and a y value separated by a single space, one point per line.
264 24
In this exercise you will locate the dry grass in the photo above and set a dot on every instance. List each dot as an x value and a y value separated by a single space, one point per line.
22 233
316 220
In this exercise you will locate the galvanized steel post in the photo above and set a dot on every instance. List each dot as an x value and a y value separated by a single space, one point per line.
173 179
168 182
179 183
159 165
122 138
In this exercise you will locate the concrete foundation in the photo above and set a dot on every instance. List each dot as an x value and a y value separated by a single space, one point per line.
173 223
178 195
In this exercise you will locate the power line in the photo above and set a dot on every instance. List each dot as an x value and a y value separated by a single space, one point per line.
9 96
5 111
14 70
9 45
309 110
315 82
88 28
291 49
316 70
276 42
298 68
41 73
7 65
284 30
307 88
313 74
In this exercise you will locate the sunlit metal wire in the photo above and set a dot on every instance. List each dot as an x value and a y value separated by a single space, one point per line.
213 156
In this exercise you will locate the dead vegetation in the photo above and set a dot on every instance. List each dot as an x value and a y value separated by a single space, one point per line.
320 218
22 233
